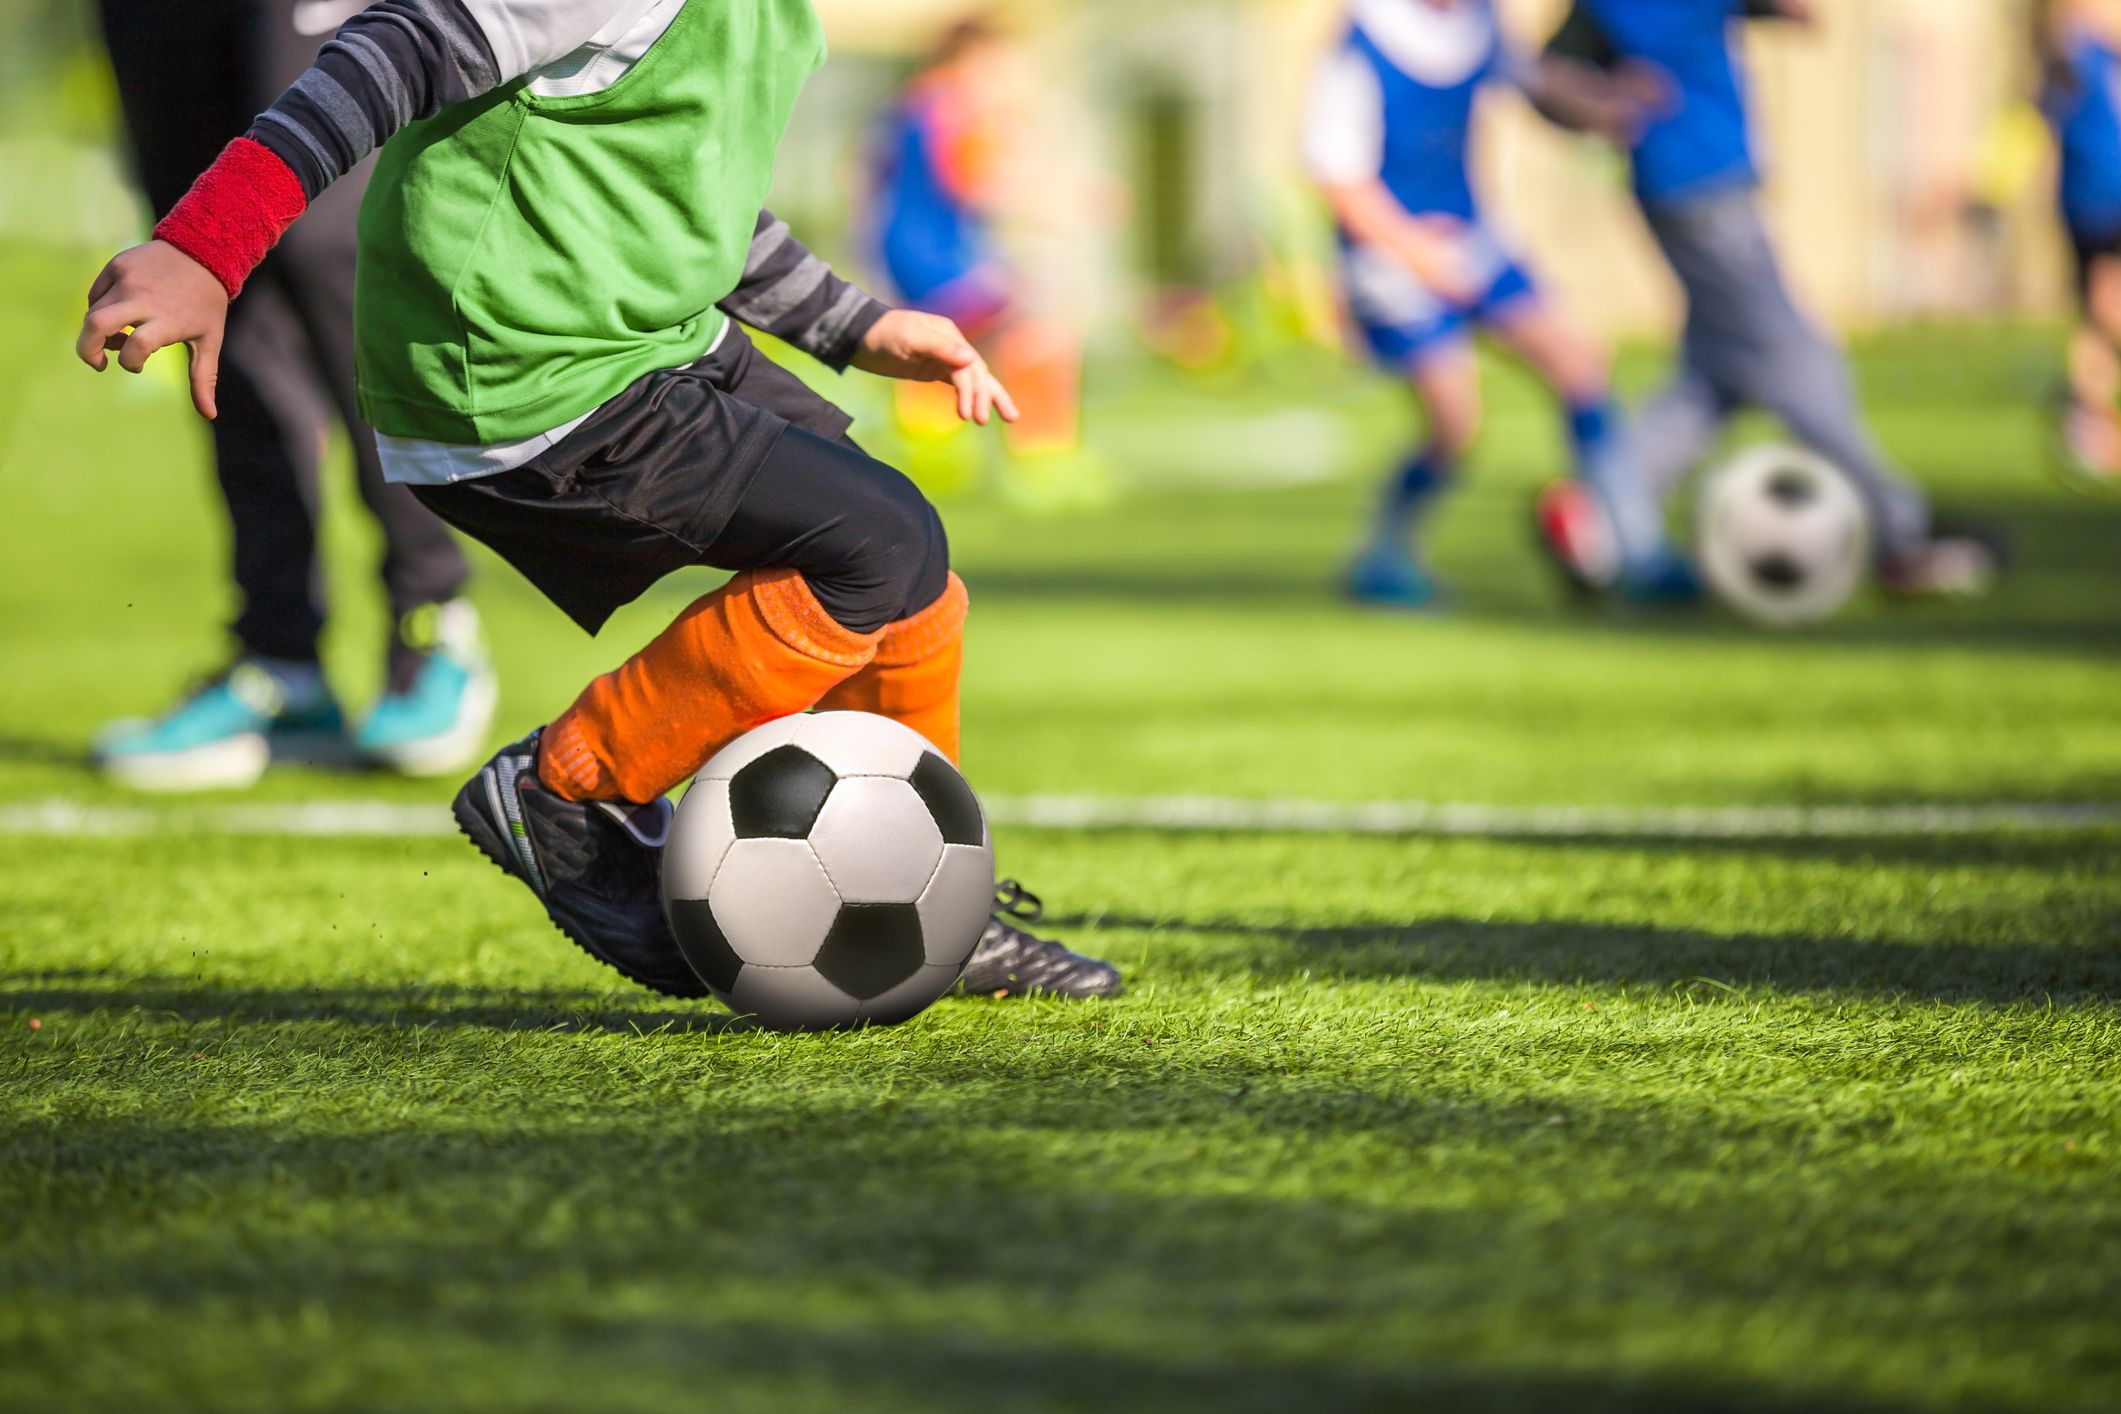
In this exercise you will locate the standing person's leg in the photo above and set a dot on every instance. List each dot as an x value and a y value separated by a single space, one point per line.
187 78
422 564
2092 426
1444 377
1676 429
183 75
266 446
1747 336
439 691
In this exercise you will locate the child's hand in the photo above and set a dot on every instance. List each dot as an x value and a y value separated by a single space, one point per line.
163 297
1434 248
1635 96
926 348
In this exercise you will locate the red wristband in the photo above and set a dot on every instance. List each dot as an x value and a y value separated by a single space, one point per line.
235 212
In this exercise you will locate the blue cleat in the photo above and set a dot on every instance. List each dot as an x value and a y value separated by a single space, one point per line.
1390 578
223 734
434 719
1664 579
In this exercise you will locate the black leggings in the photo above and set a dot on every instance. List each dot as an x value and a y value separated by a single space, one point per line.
731 462
863 537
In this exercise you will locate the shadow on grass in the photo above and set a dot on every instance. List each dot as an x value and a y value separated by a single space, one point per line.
925 1252
41 751
2084 973
2089 849
62 991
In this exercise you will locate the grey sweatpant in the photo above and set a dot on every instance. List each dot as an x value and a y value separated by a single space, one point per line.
1747 345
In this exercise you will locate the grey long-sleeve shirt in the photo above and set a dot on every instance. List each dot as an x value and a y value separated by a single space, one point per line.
398 61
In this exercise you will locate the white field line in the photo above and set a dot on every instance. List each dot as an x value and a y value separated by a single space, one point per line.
60 818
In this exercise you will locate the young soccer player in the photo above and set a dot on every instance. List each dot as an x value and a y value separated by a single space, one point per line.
934 183
565 216
189 75
2081 42
1746 343
1386 139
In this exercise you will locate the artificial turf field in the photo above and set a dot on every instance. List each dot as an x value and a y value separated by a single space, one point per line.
1459 1123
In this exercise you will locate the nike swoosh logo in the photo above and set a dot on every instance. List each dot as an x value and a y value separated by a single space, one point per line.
315 17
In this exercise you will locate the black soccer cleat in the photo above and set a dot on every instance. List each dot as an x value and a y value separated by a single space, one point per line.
596 867
1960 560
1010 962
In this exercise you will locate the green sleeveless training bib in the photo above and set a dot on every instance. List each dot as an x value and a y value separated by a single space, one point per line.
524 259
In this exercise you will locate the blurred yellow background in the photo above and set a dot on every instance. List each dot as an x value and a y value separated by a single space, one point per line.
1903 179
1907 177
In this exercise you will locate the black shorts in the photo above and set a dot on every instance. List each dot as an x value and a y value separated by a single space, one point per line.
731 462
2091 247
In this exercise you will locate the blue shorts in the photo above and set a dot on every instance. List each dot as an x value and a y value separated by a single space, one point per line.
1404 321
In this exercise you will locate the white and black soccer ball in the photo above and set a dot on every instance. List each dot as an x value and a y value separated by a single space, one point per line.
829 870
1783 536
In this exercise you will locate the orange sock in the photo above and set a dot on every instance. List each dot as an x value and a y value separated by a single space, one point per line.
759 648
913 677
1042 365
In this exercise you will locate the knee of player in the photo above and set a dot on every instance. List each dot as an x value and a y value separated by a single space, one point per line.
1454 426
1586 372
901 565
923 571
2104 299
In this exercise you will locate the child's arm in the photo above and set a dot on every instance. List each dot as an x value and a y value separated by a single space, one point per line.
796 297
1583 82
1616 103
793 295
394 63
1343 147
1795 11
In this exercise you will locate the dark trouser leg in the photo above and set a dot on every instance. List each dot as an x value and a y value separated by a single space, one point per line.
186 77
1747 337
863 537
1676 428
191 77
266 444
314 266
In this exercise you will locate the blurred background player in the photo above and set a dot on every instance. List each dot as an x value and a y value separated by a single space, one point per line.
1746 344
937 179
2080 41
1386 139
188 75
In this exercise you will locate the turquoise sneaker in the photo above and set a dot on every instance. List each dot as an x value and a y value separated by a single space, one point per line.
223 735
1390 578
1664 580
436 722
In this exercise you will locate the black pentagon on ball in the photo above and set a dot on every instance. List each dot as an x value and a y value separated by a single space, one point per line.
778 796
872 948
1778 572
702 941
949 800
1792 489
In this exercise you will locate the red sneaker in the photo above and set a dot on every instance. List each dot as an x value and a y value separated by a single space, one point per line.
1572 530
